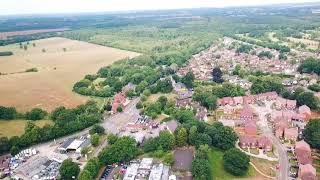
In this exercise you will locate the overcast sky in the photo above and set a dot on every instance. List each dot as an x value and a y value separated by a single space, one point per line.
72 6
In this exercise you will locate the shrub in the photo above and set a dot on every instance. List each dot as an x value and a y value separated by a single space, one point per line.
36 114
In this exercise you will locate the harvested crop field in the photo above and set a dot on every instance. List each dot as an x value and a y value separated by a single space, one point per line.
60 63
16 127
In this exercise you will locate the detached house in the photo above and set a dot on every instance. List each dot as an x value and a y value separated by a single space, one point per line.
119 100
307 172
291 134
303 152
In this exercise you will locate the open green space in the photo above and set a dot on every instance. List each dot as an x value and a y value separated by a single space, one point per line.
217 170
9 128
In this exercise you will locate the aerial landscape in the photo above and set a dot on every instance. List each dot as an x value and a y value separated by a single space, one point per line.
130 90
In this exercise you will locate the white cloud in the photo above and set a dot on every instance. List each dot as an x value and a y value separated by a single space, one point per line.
71 6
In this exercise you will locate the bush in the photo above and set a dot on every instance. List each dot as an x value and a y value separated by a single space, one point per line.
314 87
6 53
97 129
312 133
8 113
32 70
36 114
236 162
95 140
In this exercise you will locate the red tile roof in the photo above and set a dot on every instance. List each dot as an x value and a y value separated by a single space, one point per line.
307 172
291 133
303 152
250 128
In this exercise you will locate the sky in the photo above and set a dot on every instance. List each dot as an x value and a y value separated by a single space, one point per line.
11 7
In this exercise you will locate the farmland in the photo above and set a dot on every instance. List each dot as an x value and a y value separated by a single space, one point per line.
59 63
6 35
16 127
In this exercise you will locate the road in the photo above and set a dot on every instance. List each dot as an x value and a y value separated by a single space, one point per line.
262 111
112 124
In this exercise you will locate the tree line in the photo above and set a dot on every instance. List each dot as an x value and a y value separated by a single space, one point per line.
66 121
10 113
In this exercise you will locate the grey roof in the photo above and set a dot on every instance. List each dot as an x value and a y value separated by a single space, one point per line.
67 143
172 125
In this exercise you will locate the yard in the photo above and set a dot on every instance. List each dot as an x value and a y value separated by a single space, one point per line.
218 172
60 63
16 127
154 97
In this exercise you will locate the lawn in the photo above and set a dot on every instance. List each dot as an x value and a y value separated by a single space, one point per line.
154 97
265 166
16 127
218 172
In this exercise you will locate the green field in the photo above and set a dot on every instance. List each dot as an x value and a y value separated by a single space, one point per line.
218 172
16 127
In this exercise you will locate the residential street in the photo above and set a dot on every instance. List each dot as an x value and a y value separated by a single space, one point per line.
262 111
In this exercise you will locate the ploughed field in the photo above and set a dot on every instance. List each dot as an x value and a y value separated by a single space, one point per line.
60 63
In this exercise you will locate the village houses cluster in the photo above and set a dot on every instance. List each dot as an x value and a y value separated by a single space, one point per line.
221 55
285 119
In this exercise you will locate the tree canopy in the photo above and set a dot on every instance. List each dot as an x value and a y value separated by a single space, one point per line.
69 170
311 133
236 162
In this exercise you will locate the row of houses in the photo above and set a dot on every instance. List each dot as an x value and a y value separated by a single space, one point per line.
250 99
252 142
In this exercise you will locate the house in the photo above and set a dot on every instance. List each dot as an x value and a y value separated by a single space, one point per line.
307 172
291 134
251 128
171 126
268 96
291 104
280 103
184 103
248 99
184 99
271 95
246 113
226 101
303 152
119 100
264 143
247 142
304 110
238 100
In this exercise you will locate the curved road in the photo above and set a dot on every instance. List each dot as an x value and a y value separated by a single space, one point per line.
283 172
